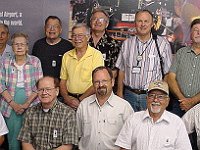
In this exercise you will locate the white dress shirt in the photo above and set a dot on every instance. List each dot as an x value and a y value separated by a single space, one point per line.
141 133
99 126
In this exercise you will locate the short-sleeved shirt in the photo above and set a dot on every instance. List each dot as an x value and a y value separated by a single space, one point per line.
78 73
49 130
99 126
187 69
192 121
141 63
140 132
32 71
3 127
109 47
51 55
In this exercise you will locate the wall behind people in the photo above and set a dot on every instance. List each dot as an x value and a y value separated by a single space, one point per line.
28 16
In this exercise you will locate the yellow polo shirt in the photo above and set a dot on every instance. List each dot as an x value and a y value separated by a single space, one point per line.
78 73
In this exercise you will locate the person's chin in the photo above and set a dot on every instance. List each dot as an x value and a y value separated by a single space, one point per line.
155 109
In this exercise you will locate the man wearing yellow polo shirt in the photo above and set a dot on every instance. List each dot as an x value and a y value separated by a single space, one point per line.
77 67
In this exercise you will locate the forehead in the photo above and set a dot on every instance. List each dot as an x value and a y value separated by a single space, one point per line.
81 29
196 26
143 15
102 74
99 14
20 38
53 21
46 82
2 28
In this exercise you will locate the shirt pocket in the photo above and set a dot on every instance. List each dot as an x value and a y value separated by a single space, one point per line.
152 63
113 125
167 143
56 137
86 73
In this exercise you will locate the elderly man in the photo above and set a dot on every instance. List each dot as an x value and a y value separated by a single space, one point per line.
51 48
5 49
50 124
155 128
77 67
100 40
3 129
101 116
183 78
139 61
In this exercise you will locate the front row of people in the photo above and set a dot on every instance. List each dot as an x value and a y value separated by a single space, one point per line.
102 121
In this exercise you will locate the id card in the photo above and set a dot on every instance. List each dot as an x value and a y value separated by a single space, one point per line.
136 70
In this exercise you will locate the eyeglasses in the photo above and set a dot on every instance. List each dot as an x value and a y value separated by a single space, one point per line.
19 44
160 97
99 20
52 26
79 36
103 82
46 90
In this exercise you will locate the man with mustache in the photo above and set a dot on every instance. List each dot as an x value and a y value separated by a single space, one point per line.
101 116
155 128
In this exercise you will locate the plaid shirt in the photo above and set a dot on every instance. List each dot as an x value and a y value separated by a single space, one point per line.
49 130
8 79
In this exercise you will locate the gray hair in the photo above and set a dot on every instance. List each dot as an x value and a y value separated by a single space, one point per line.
79 25
5 27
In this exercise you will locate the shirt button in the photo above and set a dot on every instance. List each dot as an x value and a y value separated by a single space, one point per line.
190 84
194 66
189 95
192 75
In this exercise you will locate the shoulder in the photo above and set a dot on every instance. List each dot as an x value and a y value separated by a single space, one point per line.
33 59
40 41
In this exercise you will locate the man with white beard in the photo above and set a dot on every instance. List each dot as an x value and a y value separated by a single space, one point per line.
101 116
155 128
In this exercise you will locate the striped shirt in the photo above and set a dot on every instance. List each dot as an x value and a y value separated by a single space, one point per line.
49 130
192 121
32 71
148 63
187 69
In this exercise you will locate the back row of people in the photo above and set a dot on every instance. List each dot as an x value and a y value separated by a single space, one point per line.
136 70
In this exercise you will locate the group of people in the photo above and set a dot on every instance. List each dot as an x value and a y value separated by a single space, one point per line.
62 95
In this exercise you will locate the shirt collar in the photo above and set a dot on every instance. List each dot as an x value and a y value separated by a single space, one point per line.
13 60
87 53
164 117
110 100
52 108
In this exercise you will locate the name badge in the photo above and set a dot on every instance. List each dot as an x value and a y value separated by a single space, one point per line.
55 134
136 70
53 63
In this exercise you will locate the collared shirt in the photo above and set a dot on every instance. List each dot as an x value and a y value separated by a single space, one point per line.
142 70
187 69
141 133
99 126
3 127
78 73
109 47
8 52
49 130
192 121
32 71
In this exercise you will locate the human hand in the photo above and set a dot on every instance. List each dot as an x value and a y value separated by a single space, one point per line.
17 107
72 102
186 104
